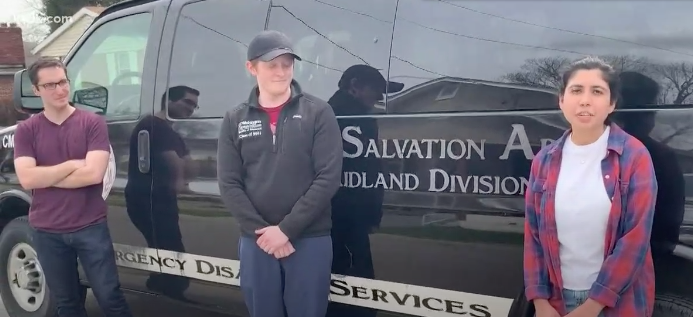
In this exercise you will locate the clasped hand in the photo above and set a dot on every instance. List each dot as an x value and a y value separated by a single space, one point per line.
585 310
273 241
588 309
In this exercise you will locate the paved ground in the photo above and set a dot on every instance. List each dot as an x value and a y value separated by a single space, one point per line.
142 307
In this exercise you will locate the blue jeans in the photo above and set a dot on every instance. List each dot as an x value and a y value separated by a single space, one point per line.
295 286
58 254
573 299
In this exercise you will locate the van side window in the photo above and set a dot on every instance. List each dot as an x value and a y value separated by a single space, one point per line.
112 58
465 56
209 53
453 59
331 36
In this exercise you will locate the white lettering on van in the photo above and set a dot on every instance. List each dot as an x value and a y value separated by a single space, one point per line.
519 134
476 184
455 149
8 141
409 299
443 175
392 181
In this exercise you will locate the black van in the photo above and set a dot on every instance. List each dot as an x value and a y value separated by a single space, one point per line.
434 174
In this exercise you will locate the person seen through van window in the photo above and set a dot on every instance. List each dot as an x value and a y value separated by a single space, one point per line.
638 91
359 89
589 208
62 156
356 210
279 164
157 190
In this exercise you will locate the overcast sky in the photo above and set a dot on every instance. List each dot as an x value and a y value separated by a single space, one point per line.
13 8
23 12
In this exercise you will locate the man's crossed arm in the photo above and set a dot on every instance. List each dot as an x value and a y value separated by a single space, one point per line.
91 173
34 177
70 174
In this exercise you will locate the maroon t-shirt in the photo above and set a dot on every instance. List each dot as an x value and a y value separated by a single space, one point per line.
274 116
57 209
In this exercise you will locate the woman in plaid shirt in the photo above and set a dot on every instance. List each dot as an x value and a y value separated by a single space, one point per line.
589 209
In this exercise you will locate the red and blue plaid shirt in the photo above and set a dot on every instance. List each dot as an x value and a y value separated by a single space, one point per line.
625 285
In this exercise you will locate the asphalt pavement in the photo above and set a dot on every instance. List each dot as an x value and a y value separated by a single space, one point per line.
141 307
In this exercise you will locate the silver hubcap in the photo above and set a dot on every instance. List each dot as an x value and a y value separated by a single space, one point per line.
25 277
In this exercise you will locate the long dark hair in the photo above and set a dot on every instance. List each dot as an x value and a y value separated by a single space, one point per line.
608 74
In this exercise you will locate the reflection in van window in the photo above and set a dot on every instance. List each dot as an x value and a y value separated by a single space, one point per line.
209 52
494 56
356 32
112 57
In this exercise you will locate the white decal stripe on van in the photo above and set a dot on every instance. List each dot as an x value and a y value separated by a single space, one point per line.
389 296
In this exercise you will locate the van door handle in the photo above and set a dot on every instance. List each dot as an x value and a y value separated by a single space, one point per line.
143 151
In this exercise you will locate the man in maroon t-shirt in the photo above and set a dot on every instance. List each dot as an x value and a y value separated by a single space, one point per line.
61 155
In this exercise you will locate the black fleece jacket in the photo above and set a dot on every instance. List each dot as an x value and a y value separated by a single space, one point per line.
289 180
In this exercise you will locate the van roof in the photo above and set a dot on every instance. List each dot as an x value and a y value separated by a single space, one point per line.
124 5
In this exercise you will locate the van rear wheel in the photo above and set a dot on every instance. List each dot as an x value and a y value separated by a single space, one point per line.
22 284
25 277
668 305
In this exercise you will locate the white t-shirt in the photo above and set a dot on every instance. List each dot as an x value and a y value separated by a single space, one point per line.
582 212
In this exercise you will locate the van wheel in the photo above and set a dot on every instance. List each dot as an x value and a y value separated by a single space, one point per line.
22 284
668 305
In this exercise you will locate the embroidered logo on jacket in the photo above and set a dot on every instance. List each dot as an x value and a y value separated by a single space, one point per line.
249 128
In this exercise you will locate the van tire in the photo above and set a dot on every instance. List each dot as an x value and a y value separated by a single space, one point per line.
16 242
669 305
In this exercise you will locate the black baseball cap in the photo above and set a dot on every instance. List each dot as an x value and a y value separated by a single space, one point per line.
270 44
370 75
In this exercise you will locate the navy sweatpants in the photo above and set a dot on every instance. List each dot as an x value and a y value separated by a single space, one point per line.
295 286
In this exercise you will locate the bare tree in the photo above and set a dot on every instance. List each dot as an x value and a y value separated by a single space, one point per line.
33 33
675 79
60 8
35 5
47 10
546 72
32 29
622 63
540 72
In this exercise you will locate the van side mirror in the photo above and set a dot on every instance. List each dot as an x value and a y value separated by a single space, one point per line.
26 101
95 97
23 97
